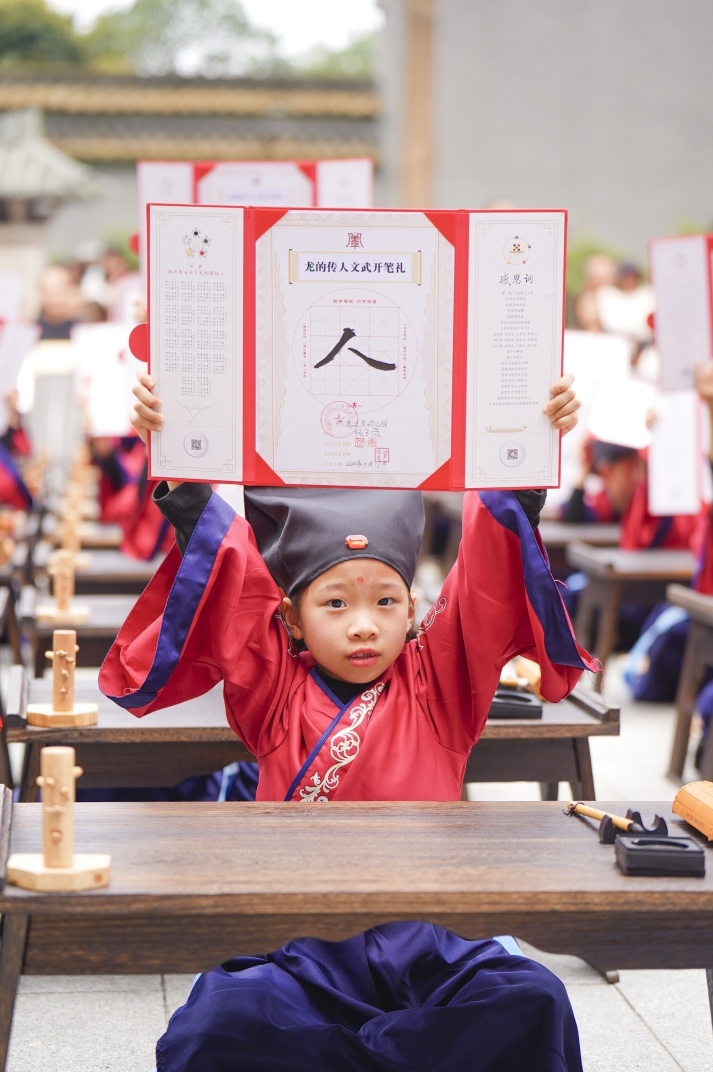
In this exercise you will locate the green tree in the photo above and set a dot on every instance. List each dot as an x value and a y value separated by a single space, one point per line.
355 60
158 37
31 34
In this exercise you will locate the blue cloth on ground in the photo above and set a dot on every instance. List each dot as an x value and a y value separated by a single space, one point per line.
653 666
236 782
396 998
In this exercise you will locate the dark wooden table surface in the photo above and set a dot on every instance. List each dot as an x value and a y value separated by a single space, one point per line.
95 636
107 572
615 577
558 535
92 533
194 738
193 884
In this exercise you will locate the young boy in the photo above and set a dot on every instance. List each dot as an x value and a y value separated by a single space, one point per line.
362 713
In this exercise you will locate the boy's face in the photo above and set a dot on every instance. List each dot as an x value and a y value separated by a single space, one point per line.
621 479
353 619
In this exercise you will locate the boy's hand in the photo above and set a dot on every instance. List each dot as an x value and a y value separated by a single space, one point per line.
561 410
145 417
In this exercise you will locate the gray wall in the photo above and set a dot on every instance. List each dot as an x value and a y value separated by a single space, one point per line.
601 106
113 212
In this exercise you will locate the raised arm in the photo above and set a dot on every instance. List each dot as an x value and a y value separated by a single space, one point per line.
499 600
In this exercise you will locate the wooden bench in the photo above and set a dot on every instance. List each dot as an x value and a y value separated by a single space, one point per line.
194 884
697 656
194 738
614 577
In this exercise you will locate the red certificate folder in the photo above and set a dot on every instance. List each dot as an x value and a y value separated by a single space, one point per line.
372 348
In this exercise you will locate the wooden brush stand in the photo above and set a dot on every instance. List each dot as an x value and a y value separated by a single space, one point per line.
69 535
7 549
63 711
64 609
57 868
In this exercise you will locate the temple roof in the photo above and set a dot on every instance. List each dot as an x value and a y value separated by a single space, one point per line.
113 118
32 168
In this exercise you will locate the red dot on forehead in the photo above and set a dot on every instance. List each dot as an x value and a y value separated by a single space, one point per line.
360 580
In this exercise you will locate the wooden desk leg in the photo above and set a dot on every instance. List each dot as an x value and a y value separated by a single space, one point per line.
13 632
606 633
29 791
583 788
38 657
709 981
686 693
5 768
549 790
584 617
12 955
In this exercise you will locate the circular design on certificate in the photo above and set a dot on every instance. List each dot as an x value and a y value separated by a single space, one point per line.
354 343
516 250
195 444
339 419
512 453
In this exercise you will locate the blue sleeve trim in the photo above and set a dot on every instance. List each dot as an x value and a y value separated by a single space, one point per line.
183 599
540 586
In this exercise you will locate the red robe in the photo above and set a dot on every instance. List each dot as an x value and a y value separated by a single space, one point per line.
146 532
212 614
640 530
13 490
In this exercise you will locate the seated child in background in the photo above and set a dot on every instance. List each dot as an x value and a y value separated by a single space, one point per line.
305 612
620 470
654 664
623 498
125 496
13 444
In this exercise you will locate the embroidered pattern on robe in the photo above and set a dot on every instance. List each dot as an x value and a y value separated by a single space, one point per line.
343 745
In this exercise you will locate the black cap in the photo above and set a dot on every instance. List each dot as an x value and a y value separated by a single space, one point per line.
301 532
602 452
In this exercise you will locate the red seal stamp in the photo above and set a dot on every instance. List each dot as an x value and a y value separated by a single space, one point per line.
339 419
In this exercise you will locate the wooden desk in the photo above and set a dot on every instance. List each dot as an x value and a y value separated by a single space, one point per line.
94 637
558 535
549 750
446 508
93 533
698 655
108 572
616 576
121 751
194 738
194 884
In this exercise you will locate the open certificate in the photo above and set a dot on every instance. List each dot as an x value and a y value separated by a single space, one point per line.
515 333
354 348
